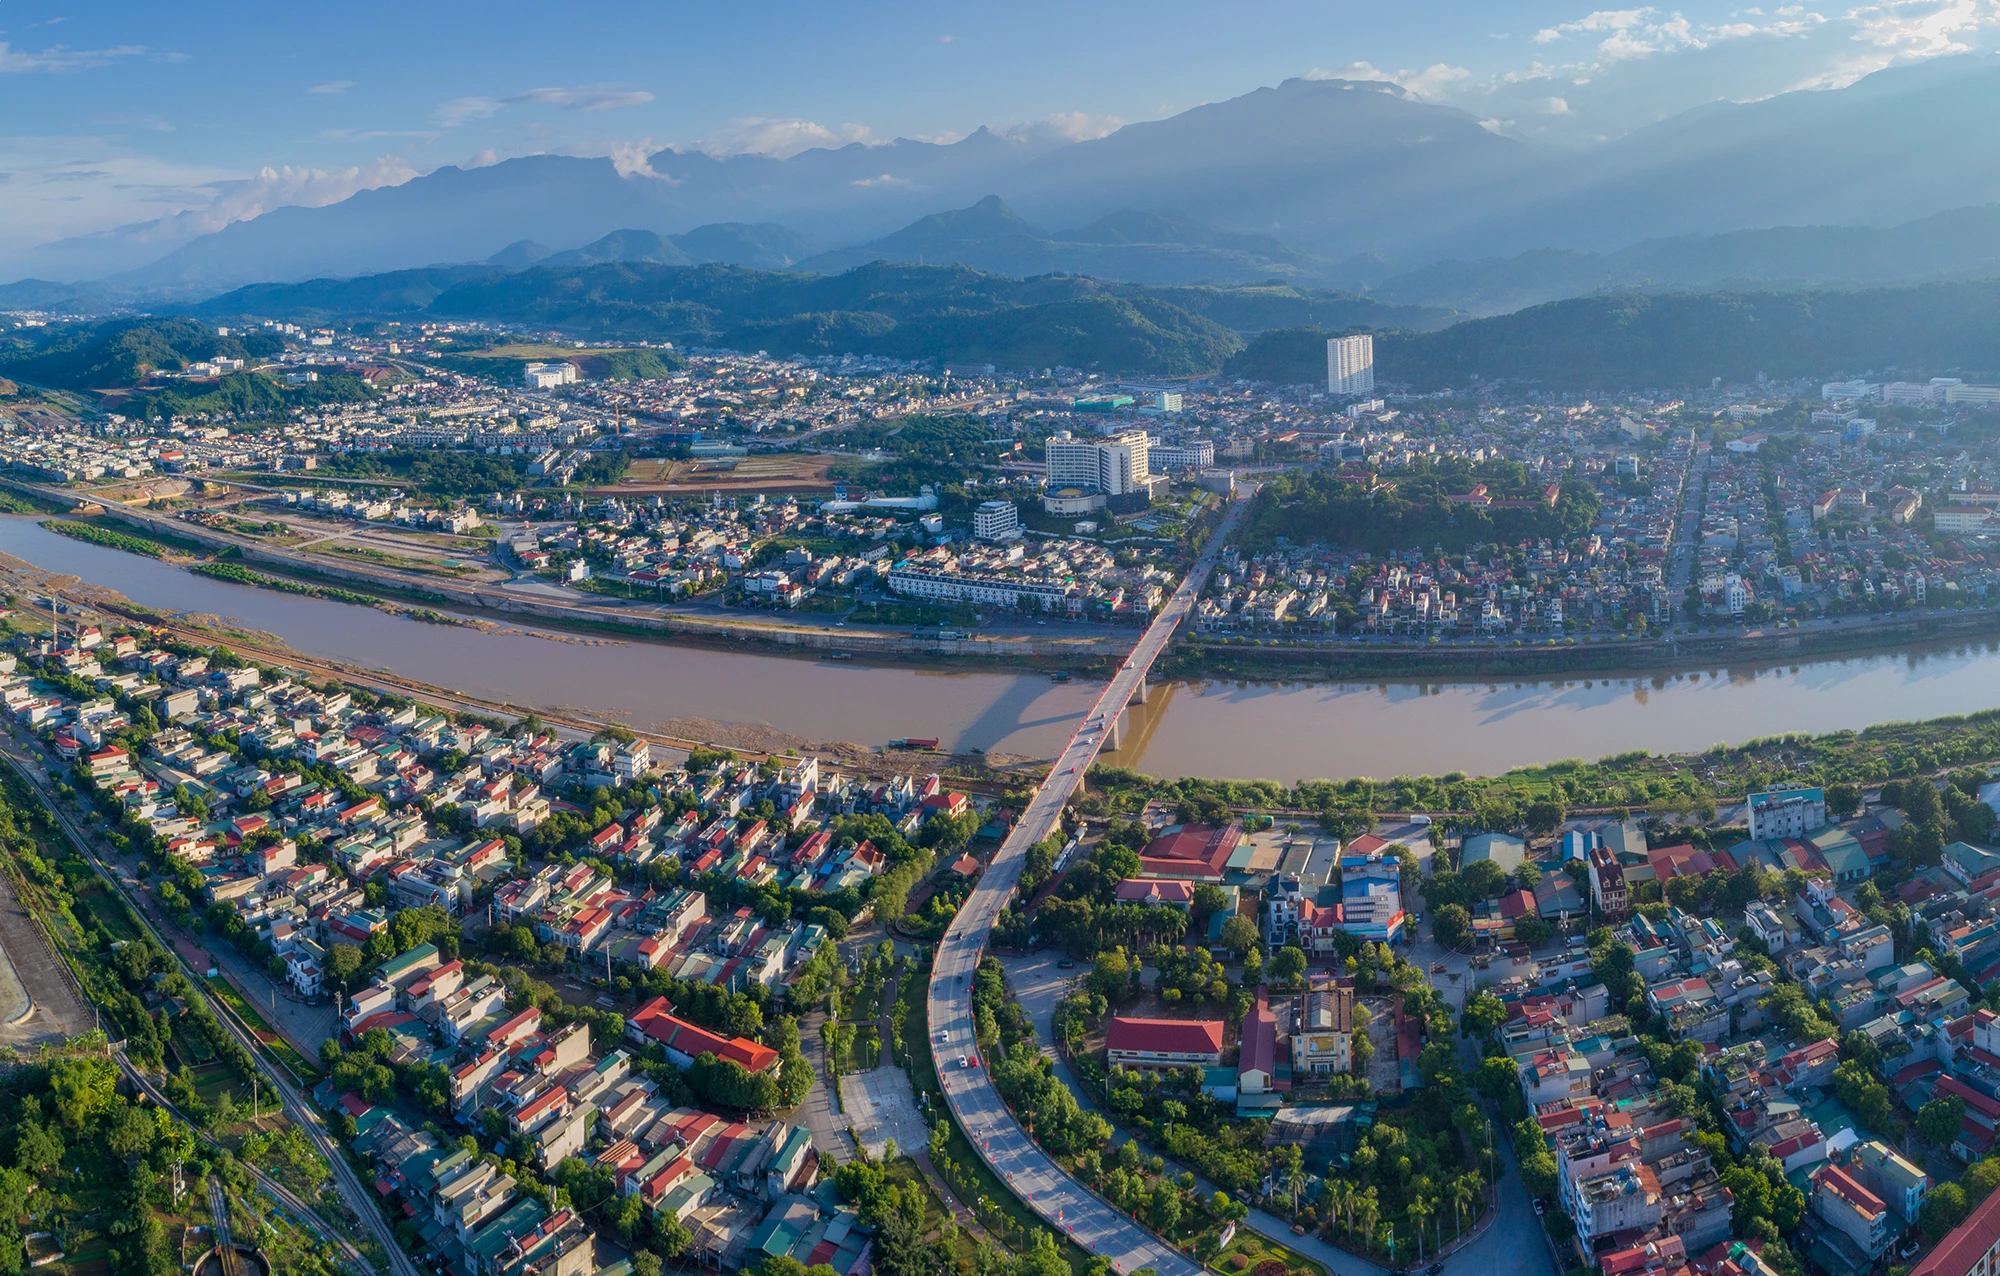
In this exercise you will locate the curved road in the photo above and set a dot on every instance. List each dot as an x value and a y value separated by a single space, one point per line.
1030 1173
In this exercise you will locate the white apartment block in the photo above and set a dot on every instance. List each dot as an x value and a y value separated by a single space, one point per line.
1113 466
1350 365
1786 813
996 521
1195 454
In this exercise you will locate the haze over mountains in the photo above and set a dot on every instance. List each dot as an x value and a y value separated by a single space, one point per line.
1340 184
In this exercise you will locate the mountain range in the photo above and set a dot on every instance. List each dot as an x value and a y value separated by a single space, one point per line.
1320 183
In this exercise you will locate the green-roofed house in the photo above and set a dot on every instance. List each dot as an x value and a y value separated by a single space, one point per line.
1965 861
1842 853
688 1197
490 1243
1503 849
398 971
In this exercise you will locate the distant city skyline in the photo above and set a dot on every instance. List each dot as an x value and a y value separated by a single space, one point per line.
121 113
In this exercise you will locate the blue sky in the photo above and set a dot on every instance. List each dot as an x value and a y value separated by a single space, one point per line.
117 112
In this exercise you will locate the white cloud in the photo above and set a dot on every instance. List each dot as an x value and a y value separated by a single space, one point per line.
947 39
885 179
1065 126
62 58
1924 28
780 139
1602 20
485 159
464 110
1431 82
635 159
586 98
332 87
1557 106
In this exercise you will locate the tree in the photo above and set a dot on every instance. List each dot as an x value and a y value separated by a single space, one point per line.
1544 817
1239 935
1943 1210
1164 1210
1496 1077
343 963
1843 800
1482 1016
669 1236
1939 1121
1452 926
1208 900
1483 879
1288 967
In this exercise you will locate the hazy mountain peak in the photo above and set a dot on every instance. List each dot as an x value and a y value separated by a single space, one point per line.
519 255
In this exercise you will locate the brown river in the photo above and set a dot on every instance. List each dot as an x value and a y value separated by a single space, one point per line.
1274 730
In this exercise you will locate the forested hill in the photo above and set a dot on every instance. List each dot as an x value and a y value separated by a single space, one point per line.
950 313
1672 341
118 352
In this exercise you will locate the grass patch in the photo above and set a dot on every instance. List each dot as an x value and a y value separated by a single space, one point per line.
104 536
268 1038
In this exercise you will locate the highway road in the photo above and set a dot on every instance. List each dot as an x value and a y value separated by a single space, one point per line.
296 1106
1001 1142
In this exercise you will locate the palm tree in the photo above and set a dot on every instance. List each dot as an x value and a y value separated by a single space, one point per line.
1419 1211
1369 1206
1340 1201
1465 1190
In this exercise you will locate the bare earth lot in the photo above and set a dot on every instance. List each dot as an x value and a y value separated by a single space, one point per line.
30 972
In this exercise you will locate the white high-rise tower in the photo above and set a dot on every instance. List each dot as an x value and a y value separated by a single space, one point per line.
1350 365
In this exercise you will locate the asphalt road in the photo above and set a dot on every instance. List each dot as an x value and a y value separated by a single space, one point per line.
1001 1142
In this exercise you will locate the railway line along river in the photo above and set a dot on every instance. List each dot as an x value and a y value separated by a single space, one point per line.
1283 731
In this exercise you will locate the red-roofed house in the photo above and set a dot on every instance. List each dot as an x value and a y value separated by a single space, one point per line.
1970 1249
1156 891
1853 1210
684 1043
518 1029
1164 1043
1196 851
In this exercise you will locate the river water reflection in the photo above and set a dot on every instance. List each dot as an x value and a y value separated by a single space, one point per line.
1280 731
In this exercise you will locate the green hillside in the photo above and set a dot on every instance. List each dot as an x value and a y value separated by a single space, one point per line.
247 395
119 352
1672 341
900 311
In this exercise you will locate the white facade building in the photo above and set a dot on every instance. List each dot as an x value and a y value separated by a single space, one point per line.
1195 454
1114 466
1350 365
1786 813
996 521
547 376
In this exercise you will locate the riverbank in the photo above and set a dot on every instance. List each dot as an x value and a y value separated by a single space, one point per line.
1093 653
1198 657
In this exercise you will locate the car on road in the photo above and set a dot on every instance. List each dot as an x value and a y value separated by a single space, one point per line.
1437 968
1540 1208
1433 1269
1065 965
1421 821
962 1063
